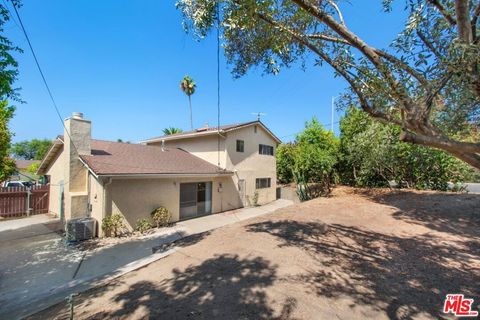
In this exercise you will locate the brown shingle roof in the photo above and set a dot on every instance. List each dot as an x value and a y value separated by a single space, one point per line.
23 164
116 158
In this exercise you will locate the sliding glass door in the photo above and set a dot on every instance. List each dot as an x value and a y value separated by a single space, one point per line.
195 199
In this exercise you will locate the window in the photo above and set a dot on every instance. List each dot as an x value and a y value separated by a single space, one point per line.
261 183
240 145
264 149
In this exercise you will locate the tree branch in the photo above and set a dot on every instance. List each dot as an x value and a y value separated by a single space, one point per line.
462 150
443 11
319 36
392 59
340 15
462 12
368 51
476 14
365 105
429 45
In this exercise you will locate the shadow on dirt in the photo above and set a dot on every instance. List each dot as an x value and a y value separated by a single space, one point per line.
404 277
224 286
458 214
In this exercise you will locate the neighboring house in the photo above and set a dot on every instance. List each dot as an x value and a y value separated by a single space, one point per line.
98 178
21 171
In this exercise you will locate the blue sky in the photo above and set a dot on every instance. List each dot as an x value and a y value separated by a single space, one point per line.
120 63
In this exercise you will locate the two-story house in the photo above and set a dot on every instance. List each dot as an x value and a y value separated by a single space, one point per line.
191 174
246 149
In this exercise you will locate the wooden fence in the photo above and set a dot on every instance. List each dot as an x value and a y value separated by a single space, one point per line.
17 202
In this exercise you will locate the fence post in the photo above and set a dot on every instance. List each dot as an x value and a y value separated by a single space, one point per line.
29 210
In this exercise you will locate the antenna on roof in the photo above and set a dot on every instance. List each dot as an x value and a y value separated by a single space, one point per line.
259 114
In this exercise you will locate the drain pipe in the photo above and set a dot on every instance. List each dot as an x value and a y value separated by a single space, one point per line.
105 185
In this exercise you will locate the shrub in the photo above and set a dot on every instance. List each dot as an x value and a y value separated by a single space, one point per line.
255 199
285 162
372 156
113 225
143 225
161 216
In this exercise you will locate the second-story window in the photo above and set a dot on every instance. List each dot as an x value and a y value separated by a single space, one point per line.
264 149
240 145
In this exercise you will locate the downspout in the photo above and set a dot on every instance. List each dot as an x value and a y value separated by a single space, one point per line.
105 185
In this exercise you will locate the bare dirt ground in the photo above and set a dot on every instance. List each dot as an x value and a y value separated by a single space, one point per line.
356 255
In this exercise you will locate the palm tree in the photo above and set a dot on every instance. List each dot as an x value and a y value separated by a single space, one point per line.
171 130
188 87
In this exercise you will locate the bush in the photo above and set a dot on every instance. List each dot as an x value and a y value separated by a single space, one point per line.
161 216
143 225
371 155
311 159
285 162
113 225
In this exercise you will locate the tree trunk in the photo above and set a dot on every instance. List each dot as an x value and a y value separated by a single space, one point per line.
190 104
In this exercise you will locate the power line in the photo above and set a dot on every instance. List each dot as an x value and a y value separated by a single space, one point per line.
43 77
218 82
11 16
41 73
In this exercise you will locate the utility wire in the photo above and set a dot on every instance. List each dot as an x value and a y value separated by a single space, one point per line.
43 77
218 82
41 73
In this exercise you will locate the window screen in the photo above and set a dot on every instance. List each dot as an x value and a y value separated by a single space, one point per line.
264 149
262 183
240 145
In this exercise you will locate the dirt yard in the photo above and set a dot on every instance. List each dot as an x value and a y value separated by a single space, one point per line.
356 255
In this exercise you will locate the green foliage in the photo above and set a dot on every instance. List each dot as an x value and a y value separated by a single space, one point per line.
255 199
285 162
143 225
34 149
427 80
161 216
310 160
371 155
8 75
7 165
113 225
33 168
302 188
171 130
188 86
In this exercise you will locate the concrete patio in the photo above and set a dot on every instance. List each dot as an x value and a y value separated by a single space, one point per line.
38 269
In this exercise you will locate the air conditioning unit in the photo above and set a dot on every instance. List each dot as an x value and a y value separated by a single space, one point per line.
80 229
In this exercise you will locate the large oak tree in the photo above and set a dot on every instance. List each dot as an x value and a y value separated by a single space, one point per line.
427 81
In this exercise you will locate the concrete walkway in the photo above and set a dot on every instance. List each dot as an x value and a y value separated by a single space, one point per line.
41 270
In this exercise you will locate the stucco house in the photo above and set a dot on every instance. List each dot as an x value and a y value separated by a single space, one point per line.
194 173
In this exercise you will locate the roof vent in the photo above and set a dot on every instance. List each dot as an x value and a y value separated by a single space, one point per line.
77 115
205 128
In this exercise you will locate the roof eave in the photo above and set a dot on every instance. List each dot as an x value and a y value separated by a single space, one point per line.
182 136
51 153
165 175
